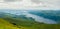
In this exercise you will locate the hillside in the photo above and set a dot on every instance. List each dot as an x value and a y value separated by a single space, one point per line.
10 23
13 21
48 14
6 25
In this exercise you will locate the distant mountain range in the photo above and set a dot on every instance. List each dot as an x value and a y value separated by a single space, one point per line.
48 16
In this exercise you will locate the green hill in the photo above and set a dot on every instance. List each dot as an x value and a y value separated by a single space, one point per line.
6 25
10 23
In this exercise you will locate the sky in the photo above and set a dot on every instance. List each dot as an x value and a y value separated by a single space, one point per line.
30 4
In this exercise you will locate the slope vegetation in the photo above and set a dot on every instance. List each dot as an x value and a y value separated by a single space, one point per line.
6 25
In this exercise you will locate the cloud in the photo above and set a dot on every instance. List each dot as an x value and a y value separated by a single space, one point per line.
11 0
30 4
40 19
36 1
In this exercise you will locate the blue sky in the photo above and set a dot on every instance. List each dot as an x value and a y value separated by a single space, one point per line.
30 4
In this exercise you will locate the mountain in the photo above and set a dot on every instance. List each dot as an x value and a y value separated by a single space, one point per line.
24 20
48 14
26 16
45 16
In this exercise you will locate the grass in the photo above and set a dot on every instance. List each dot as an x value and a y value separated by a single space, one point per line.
6 25
26 24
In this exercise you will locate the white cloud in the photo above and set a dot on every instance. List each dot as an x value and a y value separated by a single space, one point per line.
28 4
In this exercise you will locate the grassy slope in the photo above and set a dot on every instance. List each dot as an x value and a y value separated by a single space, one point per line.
6 25
33 25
